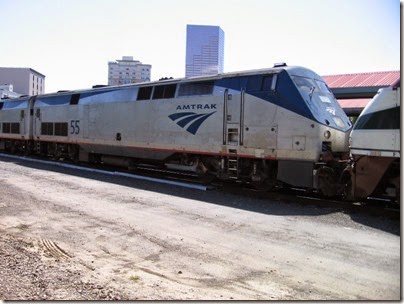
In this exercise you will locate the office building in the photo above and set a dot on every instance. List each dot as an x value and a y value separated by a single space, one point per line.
7 92
25 81
127 71
205 50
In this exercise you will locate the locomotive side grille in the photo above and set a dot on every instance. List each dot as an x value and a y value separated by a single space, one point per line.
15 128
6 127
47 128
54 128
11 127
60 128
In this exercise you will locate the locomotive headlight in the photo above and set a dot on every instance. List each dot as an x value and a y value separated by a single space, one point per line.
327 134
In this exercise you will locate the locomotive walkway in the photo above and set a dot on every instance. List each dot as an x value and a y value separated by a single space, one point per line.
111 237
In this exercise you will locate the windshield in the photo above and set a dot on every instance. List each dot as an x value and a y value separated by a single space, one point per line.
308 86
322 86
304 84
321 101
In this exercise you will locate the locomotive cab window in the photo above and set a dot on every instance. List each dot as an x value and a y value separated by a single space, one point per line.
269 83
254 83
322 86
304 84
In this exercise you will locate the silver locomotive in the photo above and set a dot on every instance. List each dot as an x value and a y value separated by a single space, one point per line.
272 127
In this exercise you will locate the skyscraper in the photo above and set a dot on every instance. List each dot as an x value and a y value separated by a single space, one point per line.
205 50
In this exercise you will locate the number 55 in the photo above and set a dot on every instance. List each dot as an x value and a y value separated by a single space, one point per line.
74 126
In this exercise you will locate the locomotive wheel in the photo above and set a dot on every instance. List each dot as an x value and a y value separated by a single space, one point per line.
328 182
206 178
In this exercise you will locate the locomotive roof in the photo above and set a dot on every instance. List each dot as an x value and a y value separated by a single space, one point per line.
294 70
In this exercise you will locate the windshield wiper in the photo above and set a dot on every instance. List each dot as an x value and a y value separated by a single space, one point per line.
311 91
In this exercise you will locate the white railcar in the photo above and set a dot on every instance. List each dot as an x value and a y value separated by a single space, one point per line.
375 146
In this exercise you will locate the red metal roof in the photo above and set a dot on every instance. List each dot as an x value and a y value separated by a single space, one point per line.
354 103
362 79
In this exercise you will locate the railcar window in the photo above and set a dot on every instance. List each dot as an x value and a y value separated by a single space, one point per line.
195 88
60 128
169 90
158 92
386 120
164 91
1 105
144 93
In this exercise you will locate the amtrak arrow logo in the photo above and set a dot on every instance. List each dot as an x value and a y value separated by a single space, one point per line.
190 120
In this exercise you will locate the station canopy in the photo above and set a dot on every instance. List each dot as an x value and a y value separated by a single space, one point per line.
355 91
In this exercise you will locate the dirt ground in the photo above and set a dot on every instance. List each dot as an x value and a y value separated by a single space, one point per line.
72 235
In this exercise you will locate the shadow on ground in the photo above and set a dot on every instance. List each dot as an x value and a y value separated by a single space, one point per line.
273 204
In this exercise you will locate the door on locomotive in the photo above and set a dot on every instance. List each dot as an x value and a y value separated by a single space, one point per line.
233 118
248 125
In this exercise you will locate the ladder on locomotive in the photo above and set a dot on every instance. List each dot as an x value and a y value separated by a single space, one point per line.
233 124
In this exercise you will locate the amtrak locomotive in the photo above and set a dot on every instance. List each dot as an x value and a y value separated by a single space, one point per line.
272 127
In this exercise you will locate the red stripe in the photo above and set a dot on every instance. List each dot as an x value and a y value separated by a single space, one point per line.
152 149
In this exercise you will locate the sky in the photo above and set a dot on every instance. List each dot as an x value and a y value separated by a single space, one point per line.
71 41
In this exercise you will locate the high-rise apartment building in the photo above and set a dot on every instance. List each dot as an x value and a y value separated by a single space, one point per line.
25 81
127 71
205 50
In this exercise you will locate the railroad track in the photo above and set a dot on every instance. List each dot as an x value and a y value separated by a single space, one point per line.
374 206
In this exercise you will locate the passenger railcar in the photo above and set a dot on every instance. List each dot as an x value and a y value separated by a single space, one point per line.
15 124
277 126
375 146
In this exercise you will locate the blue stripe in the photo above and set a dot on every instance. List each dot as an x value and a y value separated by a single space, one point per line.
54 100
176 116
193 128
183 122
286 96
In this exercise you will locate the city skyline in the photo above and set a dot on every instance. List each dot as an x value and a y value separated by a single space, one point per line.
71 41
